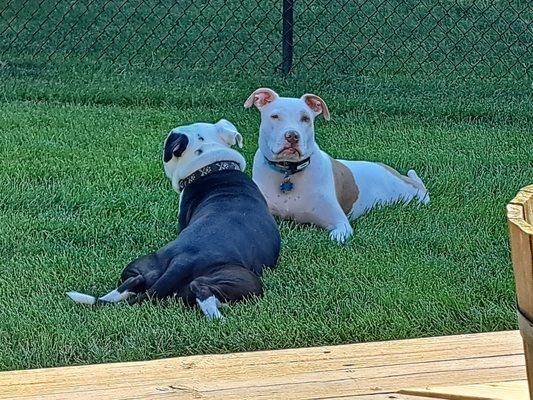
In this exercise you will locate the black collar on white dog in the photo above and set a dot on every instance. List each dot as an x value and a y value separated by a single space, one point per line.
209 169
288 168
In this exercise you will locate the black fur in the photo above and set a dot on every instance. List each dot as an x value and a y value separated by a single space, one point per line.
227 237
175 144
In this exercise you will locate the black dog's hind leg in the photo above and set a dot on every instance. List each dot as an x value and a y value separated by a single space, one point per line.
126 289
228 284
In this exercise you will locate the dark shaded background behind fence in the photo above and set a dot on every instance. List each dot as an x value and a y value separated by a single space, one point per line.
453 39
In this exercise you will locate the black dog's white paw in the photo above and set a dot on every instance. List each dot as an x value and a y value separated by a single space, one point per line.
210 309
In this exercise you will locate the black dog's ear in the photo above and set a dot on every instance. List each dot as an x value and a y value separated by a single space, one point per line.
175 145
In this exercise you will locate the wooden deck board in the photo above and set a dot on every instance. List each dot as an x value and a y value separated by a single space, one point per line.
333 372
513 390
382 396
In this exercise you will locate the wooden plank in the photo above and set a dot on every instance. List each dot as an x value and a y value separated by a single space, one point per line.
515 211
381 396
524 199
513 390
312 373
528 188
522 257
521 197
528 210
519 212
516 215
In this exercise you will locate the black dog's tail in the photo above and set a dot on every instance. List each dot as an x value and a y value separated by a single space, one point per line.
128 288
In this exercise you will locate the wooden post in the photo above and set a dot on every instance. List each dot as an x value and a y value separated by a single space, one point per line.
520 220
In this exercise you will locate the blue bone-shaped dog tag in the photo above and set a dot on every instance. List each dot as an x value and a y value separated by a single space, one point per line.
286 186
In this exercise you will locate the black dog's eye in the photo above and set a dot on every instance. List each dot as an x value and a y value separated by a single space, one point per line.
274 116
305 118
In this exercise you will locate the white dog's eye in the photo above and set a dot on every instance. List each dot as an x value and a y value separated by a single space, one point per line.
305 118
274 116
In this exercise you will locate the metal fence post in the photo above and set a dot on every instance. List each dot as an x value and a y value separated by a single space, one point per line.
287 49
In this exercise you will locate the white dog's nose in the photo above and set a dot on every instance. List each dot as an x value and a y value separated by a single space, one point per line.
292 137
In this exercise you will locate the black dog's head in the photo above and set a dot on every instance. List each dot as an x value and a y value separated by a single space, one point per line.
191 147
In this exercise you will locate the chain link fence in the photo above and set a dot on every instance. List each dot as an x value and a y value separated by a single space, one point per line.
456 39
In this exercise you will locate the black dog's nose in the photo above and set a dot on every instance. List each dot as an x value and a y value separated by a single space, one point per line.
292 136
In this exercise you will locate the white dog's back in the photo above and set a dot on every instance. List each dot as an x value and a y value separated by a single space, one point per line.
380 184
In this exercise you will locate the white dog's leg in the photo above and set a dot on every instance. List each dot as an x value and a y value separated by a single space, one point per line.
209 307
332 217
341 232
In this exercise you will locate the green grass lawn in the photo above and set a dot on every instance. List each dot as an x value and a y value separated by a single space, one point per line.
83 193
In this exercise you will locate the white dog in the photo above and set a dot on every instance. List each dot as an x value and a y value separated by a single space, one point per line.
301 182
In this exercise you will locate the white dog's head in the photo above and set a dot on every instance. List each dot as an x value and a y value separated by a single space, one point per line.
287 130
191 147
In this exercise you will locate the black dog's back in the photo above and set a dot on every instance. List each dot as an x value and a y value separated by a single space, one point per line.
226 213
227 236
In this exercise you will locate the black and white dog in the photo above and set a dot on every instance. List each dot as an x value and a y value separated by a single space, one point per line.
227 234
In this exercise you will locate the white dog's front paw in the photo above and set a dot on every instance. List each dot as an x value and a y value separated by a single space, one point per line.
341 232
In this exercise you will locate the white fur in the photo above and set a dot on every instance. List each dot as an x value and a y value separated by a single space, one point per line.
82 298
215 146
313 198
209 307
378 186
115 296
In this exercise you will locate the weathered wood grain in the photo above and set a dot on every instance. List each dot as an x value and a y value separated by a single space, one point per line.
512 390
312 373
520 217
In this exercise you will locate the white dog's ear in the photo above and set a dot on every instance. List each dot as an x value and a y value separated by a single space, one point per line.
229 133
260 98
316 104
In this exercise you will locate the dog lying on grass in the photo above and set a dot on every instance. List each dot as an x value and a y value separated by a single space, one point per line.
301 182
227 235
